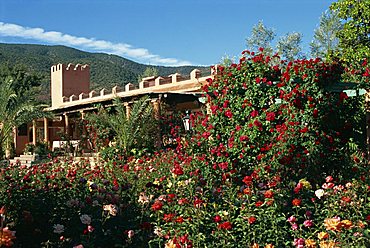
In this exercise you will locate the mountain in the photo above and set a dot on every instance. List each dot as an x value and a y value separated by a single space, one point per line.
106 70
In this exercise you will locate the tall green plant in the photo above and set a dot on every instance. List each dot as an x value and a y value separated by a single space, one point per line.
15 109
130 132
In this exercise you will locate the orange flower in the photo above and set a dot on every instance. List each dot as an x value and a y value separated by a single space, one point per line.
296 202
2 210
255 245
360 224
323 235
247 191
332 224
6 237
269 246
310 243
347 224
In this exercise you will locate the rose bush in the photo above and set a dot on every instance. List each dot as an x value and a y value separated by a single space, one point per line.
277 163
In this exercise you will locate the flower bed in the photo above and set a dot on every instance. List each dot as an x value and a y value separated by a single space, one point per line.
276 164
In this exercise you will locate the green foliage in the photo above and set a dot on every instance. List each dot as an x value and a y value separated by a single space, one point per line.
325 41
354 38
149 72
17 104
136 131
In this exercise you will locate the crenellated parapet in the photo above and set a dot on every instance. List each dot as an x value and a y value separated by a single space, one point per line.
175 83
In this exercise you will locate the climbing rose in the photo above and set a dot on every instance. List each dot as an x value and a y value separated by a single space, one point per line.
225 225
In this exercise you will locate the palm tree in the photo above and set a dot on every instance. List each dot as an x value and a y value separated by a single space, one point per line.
15 110
138 130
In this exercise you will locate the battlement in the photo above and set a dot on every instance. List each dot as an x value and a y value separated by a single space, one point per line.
175 83
69 67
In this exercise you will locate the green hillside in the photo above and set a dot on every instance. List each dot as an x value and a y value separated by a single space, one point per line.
106 70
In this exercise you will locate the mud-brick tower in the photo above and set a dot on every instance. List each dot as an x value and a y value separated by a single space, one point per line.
67 80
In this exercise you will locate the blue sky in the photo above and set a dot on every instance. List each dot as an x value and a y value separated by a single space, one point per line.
157 32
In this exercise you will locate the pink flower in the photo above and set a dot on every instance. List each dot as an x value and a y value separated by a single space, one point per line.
130 234
299 243
328 185
292 219
308 223
329 179
294 226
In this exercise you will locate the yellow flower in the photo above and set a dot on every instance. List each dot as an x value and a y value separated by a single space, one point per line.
328 244
180 184
332 224
347 224
305 183
310 243
170 244
323 235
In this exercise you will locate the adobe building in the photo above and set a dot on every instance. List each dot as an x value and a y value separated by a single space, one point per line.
72 98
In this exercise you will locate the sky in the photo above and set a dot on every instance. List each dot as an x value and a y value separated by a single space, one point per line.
156 32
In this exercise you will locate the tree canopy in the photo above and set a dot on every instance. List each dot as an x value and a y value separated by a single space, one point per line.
354 38
325 40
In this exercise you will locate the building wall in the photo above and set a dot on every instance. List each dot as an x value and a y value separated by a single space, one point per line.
68 80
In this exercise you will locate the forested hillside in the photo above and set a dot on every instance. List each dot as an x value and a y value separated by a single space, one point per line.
106 70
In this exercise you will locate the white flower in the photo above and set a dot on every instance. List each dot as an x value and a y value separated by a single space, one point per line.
158 231
85 219
143 198
319 193
58 228
111 208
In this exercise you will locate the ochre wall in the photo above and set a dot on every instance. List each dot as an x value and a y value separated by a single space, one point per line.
67 80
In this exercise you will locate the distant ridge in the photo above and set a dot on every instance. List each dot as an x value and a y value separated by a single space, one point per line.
106 70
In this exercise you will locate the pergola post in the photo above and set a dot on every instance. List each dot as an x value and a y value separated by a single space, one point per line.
128 109
46 130
34 132
66 124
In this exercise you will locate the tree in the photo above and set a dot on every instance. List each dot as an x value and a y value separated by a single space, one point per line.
325 41
17 106
261 36
289 46
354 38
149 72
134 131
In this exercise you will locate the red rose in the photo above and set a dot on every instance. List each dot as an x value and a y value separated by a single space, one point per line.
252 219
258 204
157 205
270 116
217 218
177 170
228 113
254 113
247 180
225 225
